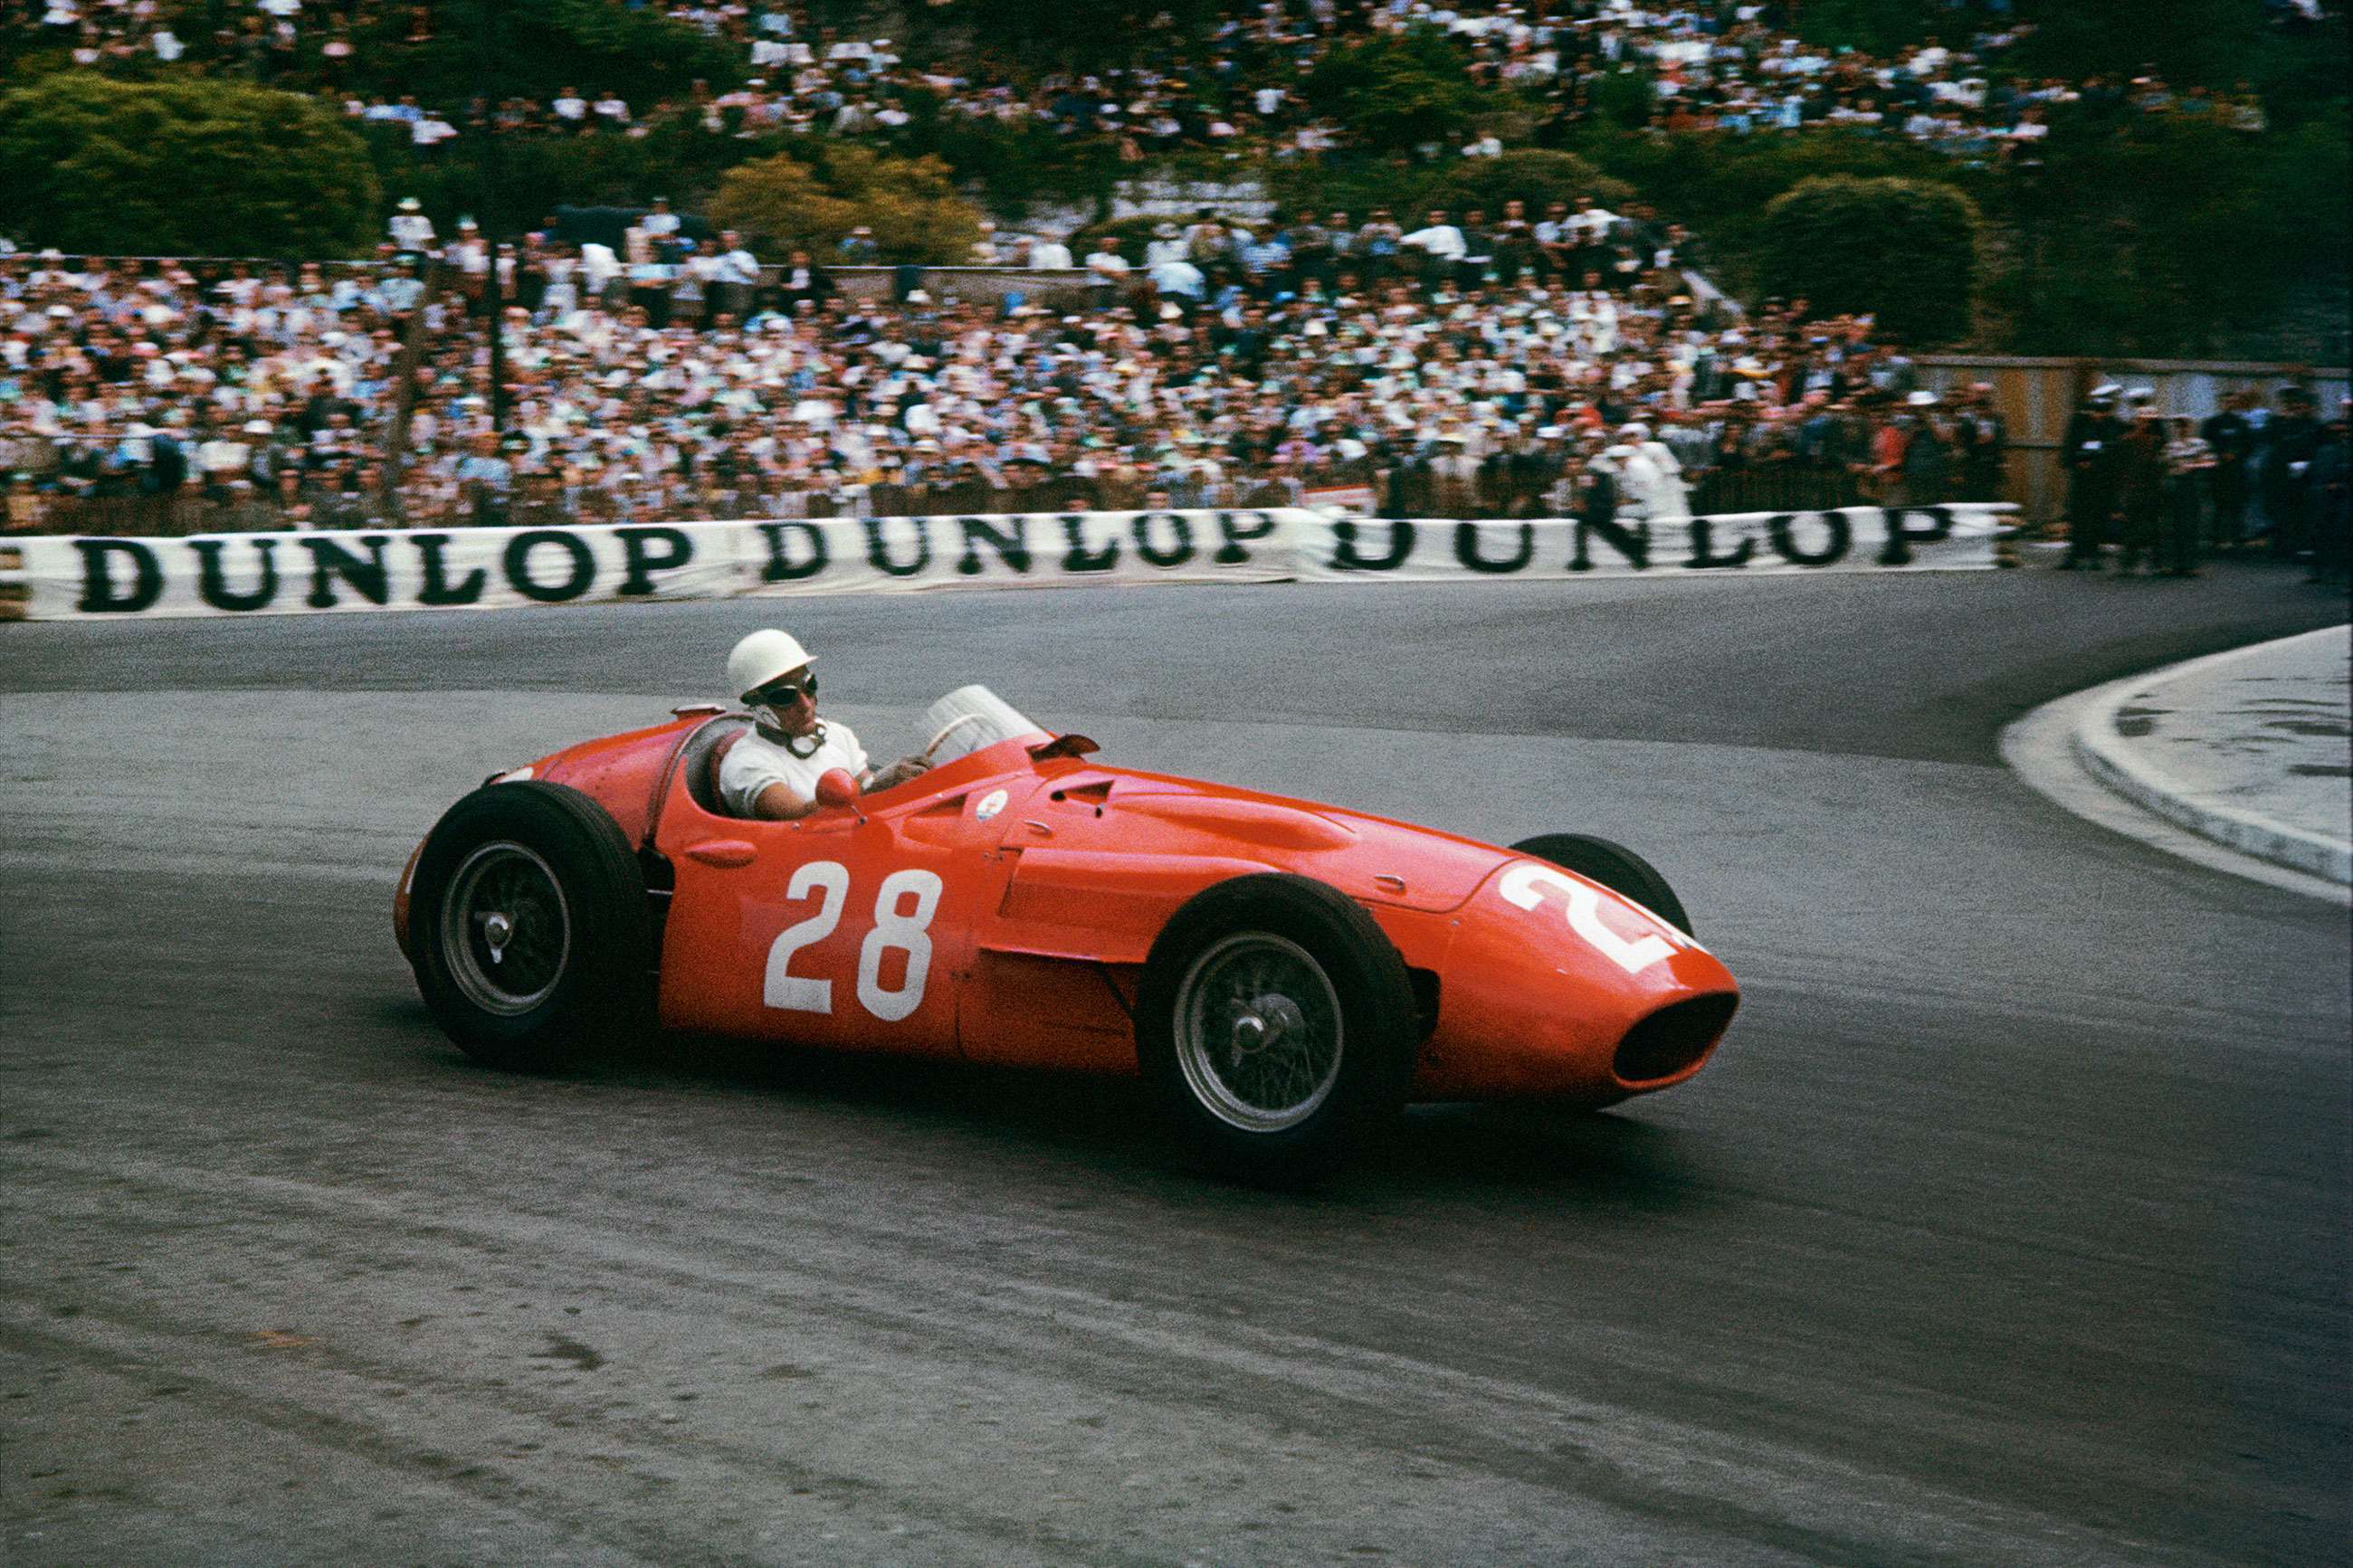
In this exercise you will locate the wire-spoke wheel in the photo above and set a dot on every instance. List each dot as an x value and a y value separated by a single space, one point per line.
1259 1032
1276 1020
505 928
534 932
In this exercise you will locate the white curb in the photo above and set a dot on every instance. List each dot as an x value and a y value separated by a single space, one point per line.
2102 750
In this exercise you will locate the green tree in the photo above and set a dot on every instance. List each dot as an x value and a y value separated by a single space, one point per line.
189 167
1409 188
1624 98
1106 33
1404 91
2178 236
540 48
1719 183
1529 174
2186 40
1902 249
910 203
1880 26
1012 165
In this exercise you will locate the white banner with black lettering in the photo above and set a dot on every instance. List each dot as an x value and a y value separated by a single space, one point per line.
893 554
55 578
490 568
1849 539
378 568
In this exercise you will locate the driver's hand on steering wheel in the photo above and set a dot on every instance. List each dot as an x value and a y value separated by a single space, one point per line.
899 773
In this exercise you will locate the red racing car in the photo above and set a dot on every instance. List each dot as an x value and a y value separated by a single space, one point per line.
1286 975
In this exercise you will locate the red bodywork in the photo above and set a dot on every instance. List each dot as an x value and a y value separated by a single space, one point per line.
1054 875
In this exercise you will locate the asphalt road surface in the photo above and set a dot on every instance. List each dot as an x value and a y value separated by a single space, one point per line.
2010 1226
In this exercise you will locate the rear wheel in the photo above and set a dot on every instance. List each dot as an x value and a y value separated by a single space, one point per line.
1276 1023
1614 866
529 921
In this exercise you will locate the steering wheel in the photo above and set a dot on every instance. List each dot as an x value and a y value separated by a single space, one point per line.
950 727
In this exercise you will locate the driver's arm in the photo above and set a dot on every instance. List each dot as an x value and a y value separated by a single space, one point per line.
777 803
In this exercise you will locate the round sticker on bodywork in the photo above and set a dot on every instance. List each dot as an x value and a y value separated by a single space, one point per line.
990 804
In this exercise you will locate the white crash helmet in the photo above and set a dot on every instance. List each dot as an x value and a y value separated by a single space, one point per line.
763 656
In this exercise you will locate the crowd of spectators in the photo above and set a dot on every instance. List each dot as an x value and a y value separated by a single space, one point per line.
155 395
1232 368
1467 363
1738 67
1294 365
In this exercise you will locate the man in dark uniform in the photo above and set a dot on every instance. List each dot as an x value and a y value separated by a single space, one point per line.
1493 486
1596 492
2090 453
2232 436
1984 444
1927 461
2295 433
1410 487
2140 482
1981 448
1535 468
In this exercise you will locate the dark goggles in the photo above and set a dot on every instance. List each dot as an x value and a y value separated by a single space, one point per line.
784 693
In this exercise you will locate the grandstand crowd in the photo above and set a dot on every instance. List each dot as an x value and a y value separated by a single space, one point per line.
1499 363
1737 66
146 396
184 397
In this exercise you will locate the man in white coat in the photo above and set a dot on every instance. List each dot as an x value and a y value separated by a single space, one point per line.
1050 254
1651 478
1441 246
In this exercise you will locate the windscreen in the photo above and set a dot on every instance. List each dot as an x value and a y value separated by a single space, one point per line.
968 719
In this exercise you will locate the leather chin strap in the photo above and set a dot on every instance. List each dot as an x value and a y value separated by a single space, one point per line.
814 741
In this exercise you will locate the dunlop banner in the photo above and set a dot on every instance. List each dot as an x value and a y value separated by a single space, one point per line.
1849 539
47 578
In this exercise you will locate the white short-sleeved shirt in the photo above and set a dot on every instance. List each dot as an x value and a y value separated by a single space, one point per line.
754 762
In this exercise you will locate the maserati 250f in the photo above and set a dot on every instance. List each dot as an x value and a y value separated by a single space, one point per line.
1286 975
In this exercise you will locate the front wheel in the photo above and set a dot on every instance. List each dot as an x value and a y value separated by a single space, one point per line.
529 924
1276 1024
1614 866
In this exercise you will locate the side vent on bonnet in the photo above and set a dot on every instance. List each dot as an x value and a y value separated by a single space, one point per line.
1673 1040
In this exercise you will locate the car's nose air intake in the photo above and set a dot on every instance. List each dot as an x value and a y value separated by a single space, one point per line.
1672 1041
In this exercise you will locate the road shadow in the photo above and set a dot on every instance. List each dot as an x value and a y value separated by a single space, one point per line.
1551 1151
1112 1126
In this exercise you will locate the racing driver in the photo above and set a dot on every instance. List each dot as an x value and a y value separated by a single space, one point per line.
773 772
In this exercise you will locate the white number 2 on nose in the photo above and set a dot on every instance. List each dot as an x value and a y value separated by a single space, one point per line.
1521 884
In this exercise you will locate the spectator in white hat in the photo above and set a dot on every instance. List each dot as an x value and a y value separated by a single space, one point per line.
409 228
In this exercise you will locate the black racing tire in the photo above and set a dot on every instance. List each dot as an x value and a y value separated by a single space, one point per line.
569 964
1275 1024
1614 866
